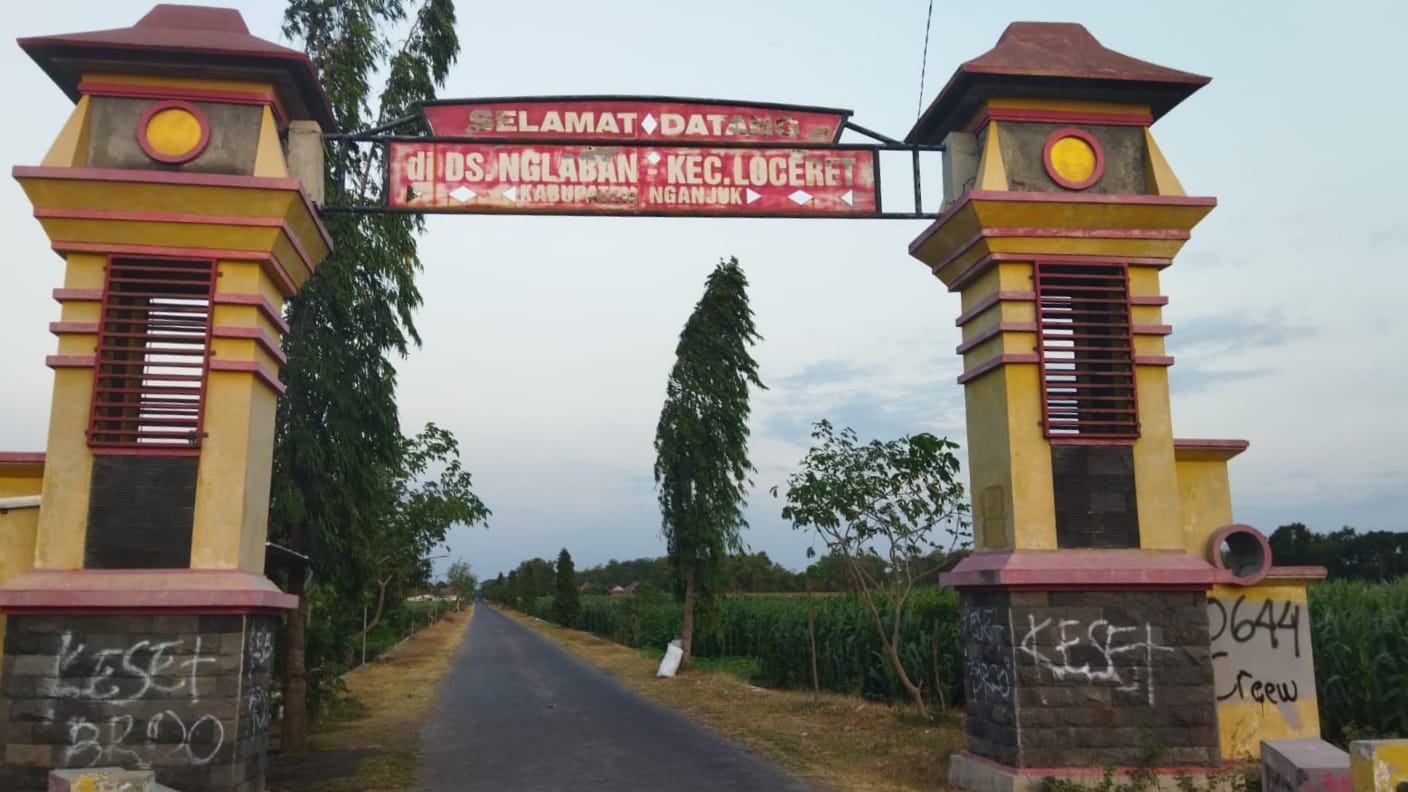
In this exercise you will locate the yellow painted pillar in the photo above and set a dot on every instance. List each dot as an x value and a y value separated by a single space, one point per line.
168 199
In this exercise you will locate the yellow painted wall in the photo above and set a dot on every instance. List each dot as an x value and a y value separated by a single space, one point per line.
1378 765
1204 501
1246 660
989 461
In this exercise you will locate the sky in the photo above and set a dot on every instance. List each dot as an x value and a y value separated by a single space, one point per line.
548 340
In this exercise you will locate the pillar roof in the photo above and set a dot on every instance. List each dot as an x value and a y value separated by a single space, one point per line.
186 41
1051 60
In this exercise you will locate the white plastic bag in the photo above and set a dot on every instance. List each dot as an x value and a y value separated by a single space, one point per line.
670 663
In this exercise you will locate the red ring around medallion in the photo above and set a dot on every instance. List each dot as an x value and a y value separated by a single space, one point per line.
173 159
1080 134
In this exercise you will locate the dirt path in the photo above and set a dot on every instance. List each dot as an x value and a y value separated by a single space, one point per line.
519 713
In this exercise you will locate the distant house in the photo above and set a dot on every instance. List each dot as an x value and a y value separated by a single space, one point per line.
617 591
631 589
584 588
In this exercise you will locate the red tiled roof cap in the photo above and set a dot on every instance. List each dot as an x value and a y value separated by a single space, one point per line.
1052 60
185 40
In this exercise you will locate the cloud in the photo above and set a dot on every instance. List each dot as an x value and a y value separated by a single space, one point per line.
1190 377
883 400
1205 337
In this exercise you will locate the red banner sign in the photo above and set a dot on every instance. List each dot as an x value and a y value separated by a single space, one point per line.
632 179
647 120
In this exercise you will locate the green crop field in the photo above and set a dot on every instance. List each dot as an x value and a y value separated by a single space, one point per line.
1360 635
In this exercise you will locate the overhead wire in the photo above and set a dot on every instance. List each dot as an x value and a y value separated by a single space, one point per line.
924 62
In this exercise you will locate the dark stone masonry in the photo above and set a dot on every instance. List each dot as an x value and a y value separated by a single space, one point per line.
184 695
1089 679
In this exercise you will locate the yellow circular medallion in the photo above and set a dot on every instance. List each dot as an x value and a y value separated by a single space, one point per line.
173 132
1073 159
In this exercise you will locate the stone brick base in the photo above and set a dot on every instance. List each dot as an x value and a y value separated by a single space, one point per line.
1071 679
186 696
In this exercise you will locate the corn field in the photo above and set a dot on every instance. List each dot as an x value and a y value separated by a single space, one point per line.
1360 635
773 631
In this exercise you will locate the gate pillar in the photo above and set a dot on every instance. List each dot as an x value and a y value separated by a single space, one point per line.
1090 637
142 633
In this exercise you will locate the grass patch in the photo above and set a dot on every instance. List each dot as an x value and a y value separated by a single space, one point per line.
745 668
840 741
368 740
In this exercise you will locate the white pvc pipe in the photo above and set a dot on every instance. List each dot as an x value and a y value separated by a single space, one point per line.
21 502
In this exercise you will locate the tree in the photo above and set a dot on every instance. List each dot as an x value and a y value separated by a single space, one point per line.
462 580
565 602
337 432
701 442
420 512
881 499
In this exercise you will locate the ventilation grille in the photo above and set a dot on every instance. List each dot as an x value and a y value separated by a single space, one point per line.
1086 352
153 347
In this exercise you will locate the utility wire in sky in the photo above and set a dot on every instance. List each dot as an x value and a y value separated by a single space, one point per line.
924 62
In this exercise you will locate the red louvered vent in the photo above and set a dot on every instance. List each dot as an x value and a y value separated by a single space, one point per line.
1086 351
153 347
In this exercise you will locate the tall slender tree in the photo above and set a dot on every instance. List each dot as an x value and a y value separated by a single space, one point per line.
338 434
701 442
566 602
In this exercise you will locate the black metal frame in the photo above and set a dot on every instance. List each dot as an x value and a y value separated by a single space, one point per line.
383 136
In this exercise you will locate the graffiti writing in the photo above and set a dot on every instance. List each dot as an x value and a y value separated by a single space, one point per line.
1261 654
1053 643
197 742
1242 627
142 671
124 676
987 655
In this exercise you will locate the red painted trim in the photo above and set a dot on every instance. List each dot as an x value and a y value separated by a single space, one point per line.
1297 572
1095 198
995 331
161 451
103 610
177 177
70 361
994 299
1035 116
78 295
1153 360
259 335
1053 197
21 457
1058 772
156 177
76 328
1234 446
1061 439
1089 140
251 367
990 365
158 217
1153 299
115 265
185 156
272 266
1214 554
265 98
1155 330
1122 569
1089 233
259 301
986 262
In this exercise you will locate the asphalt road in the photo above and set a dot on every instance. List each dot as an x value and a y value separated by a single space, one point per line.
520 714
